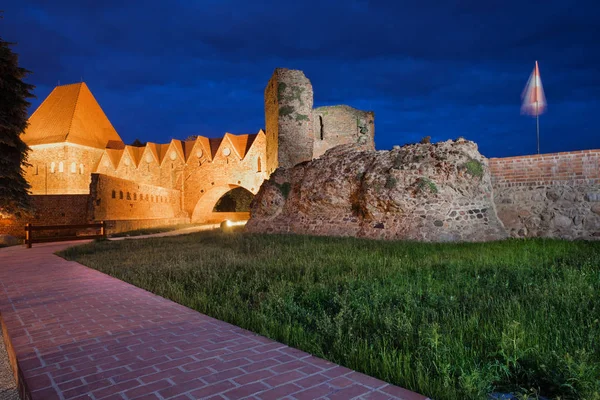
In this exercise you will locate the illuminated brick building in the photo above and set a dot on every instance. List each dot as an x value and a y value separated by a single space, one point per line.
71 138
80 169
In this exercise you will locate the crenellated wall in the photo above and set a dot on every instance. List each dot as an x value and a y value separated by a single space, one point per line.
549 195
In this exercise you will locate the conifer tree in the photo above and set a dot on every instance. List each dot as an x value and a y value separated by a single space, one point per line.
14 189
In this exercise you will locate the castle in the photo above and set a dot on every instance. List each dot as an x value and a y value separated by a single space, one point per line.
81 170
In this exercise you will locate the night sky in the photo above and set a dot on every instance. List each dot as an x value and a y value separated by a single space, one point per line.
170 69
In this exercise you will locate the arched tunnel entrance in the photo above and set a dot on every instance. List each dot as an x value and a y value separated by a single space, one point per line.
228 202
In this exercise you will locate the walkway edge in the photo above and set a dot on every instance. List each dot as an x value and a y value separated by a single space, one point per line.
24 393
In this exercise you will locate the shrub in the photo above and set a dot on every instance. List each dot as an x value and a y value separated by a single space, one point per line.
426 184
474 168
284 188
390 182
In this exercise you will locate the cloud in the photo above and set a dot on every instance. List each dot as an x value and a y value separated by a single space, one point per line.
427 69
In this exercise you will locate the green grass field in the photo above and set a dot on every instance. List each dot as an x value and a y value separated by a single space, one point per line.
451 321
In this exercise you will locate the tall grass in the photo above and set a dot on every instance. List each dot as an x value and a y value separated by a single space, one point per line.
451 321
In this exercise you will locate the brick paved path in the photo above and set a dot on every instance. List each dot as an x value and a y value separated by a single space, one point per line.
80 334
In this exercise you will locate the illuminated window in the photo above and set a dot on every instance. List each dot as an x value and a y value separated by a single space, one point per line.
81 169
73 167
61 167
52 167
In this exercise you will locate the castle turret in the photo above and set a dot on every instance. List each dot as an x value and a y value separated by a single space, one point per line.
288 119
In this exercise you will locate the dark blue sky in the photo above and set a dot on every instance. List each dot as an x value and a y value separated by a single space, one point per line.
170 69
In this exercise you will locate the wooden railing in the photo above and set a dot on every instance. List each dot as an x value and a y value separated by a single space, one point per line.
30 239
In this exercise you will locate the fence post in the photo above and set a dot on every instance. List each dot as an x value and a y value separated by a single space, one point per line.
103 229
28 235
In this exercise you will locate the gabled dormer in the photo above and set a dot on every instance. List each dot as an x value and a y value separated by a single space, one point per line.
198 150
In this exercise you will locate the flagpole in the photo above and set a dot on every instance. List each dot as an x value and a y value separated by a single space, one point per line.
537 120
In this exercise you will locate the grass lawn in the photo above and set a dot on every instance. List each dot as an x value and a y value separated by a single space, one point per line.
150 231
451 321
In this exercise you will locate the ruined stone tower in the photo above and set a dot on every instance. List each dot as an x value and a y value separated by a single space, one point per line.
296 132
288 119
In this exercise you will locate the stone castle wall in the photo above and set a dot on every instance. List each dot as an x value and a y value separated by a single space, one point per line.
549 195
297 133
426 192
288 117
337 125
119 199
66 209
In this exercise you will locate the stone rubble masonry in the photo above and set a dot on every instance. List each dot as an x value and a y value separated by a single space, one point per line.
337 125
288 118
426 192
297 133
549 195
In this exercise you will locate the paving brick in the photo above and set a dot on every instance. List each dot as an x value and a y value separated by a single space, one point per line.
349 392
313 393
78 331
279 392
211 390
246 390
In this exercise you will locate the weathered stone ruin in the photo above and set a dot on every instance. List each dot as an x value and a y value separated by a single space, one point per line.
428 192
331 181
296 132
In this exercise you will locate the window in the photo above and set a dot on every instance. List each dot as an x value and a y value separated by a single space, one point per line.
135 196
81 169
61 167
120 195
52 167
321 125
128 196
259 167
73 167
114 194
35 170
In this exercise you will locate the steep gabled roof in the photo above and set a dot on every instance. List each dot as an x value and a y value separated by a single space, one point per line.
162 150
114 156
241 143
204 143
152 148
135 153
70 114
214 146
177 145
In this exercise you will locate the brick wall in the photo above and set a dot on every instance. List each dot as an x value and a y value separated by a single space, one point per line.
65 209
549 195
62 168
113 198
576 167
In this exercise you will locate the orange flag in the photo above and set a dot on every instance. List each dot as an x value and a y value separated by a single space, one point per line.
534 100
